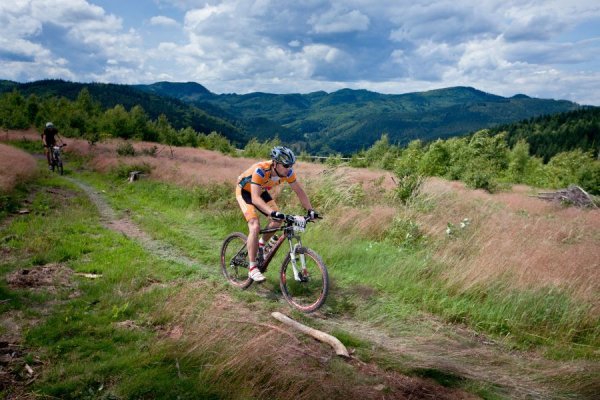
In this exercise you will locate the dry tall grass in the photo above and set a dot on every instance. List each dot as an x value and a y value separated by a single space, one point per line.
15 165
531 242
237 348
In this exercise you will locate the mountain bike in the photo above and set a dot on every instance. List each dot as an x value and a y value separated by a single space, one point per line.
303 276
56 158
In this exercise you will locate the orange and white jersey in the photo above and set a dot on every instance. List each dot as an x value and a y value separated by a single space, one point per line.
263 175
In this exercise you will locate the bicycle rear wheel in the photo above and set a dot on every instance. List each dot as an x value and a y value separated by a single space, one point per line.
308 291
234 260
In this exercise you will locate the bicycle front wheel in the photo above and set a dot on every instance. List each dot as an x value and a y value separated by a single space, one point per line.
234 260
307 287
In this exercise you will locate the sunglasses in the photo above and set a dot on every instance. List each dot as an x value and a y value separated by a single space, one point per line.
286 165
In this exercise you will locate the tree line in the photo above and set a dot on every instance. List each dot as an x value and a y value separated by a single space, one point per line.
484 160
551 134
530 152
85 118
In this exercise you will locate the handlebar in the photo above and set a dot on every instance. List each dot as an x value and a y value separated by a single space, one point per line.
289 218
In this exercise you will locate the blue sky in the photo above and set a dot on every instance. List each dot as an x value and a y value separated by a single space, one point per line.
542 48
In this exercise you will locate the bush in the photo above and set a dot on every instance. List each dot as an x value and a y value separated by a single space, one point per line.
151 151
256 149
409 187
480 176
404 233
334 160
215 141
125 149
217 195
123 170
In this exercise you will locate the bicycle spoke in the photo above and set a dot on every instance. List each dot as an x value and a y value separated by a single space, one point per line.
307 289
234 260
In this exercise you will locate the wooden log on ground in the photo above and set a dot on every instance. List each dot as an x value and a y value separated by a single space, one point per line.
572 195
339 348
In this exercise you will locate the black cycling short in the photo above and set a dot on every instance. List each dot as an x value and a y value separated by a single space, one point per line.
247 196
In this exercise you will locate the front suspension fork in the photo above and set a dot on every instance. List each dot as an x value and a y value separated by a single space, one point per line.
300 271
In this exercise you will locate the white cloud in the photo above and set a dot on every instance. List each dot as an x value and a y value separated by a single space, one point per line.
68 38
195 19
336 20
501 46
161 20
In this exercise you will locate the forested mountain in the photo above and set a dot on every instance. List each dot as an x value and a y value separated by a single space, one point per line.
348 120
344 121
179 113
552 134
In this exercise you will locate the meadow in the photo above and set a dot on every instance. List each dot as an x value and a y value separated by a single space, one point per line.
507 268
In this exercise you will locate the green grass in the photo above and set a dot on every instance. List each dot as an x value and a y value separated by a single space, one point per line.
376 281
88 356
382 283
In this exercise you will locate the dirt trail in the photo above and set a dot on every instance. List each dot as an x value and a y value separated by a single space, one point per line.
456 351
126 226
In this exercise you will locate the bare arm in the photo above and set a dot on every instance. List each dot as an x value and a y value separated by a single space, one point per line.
301 195
255 191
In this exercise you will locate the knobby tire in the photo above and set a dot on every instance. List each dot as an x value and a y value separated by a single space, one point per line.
233 265
305 296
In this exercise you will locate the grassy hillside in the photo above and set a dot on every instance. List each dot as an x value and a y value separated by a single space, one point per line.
458 307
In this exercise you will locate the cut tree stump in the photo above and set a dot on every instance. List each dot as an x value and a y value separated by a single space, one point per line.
339 348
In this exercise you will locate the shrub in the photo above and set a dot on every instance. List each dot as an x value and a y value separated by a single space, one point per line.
479 175
404 232
123 170
125 149
151 151
256 149
334 160
214 194
409 187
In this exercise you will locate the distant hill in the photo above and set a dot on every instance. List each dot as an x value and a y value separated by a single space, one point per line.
348 120
179 113
344 121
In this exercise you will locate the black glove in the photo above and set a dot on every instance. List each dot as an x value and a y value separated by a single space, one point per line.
276 215
312 214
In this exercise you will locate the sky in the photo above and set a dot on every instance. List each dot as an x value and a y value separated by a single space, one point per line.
541 48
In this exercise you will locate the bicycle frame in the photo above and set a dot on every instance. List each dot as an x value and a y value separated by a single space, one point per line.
290 235
303 277
55 155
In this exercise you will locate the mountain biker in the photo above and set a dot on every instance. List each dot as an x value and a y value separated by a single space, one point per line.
49 136
252 193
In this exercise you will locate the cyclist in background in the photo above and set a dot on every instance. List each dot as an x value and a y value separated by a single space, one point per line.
49 136
252 193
